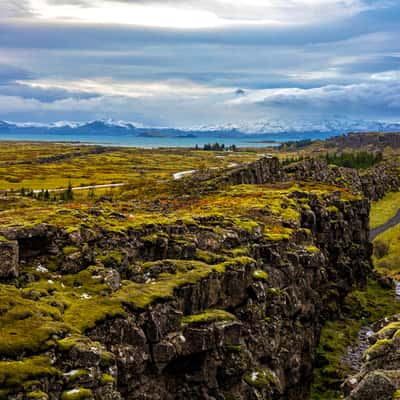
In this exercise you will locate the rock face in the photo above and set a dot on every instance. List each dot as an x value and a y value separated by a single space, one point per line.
8 259
379 377
355 141
243 323
265 170
373 183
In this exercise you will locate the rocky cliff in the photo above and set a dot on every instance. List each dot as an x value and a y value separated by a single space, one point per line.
357 140
222 297
379 376
373 183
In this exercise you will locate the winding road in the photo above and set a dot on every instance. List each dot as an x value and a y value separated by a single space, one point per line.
387 225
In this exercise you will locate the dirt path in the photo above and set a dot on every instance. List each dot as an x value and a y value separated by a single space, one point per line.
389 224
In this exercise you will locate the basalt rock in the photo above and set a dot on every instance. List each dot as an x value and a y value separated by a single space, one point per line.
357 140
379 377
373 183
247 329
9 266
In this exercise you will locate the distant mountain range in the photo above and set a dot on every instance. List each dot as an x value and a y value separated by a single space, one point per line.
258 128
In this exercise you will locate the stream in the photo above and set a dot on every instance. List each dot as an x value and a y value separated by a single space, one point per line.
354 354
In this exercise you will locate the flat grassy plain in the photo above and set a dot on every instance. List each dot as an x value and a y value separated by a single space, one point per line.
51 166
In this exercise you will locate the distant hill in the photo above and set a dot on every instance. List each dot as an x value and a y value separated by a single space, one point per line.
245 129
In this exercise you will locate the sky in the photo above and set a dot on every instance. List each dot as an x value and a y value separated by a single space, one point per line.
185 63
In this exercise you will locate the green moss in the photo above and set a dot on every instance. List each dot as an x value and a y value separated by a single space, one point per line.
360 307
153 238
239 252
112 259
37 395
396 395
26 325
106 379
77 394
260 379
260 275
376 347
333 209
139 296
208 257
234 348
208 316
276 237
78 341
75 375
384 209
389 330
388 262
245 224
14 373
312 249
68 250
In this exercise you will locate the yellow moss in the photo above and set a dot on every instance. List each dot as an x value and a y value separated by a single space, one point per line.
38 395
396 395
260 275
312 249
389 264
208 316
26 325
384 209
14 373
376 347
77 394
106 379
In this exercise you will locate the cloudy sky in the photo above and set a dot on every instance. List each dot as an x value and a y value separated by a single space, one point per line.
185 62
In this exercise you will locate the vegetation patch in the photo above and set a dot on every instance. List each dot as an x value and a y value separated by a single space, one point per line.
77 394
14 373
208 316
260 275
384 209
361 307
260 379
387 253
357 160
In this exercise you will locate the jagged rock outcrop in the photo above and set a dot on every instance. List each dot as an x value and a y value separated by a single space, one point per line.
8 259
359 140
224 305
265 170
379 377
373 183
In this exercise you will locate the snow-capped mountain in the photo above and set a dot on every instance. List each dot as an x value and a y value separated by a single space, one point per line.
334 126
286 126
97 124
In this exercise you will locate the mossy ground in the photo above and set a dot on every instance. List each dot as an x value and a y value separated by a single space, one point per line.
388 263
14 373
361 307
384 209
54 310
19 166
207 317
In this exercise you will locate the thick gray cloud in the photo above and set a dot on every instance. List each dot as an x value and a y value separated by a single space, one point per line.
57 70
15 8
